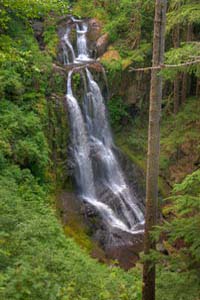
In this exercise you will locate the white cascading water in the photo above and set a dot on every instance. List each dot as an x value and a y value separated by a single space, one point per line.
90 130
67 46
82 55
100 134
81 30
83 169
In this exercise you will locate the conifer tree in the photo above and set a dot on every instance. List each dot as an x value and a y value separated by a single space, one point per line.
153 147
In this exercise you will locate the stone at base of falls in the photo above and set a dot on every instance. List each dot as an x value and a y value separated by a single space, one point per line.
128 254
117 245
121 246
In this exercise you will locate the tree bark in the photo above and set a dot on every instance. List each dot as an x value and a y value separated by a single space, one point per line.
149 269
176 43
198 87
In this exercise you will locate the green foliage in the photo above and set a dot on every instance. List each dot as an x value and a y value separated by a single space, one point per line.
29 9
179 130
50 36
187 52
124 20
186 13
176 285
38 261
183 14
114 69
137 135
22 138
23 111
138 55
118 112
132 140
87 9
121 13
182 266
76 80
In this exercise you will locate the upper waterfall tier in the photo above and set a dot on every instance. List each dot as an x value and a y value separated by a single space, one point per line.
81 54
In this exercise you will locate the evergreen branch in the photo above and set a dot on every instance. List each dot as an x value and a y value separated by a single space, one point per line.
163 66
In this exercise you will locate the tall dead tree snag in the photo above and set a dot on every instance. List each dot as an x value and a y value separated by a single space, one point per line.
153 146
176 43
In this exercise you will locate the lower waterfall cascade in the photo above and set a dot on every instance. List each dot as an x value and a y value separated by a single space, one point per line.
97 170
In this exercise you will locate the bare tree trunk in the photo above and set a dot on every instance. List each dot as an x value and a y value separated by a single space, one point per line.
149 270
176 43
185 75
198 87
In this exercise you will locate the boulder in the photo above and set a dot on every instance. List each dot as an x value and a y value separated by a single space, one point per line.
132 96
102 44
110 55
38 27
94 30
125 250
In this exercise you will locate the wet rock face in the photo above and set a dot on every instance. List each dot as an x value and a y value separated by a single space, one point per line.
135 177
121 246
94 30
115 245
137 89
97 41
132 96
102 44
38 28
127 254
63 24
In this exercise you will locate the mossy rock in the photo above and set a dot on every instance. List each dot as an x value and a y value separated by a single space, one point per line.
110 55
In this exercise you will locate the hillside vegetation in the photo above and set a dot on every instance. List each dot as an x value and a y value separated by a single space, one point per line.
37 259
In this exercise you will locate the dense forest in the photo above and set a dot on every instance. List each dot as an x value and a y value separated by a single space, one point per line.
50 244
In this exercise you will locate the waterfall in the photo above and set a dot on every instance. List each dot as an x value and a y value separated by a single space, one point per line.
69 55
83 170
90 132
100 135
81 30
81 151
67 45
